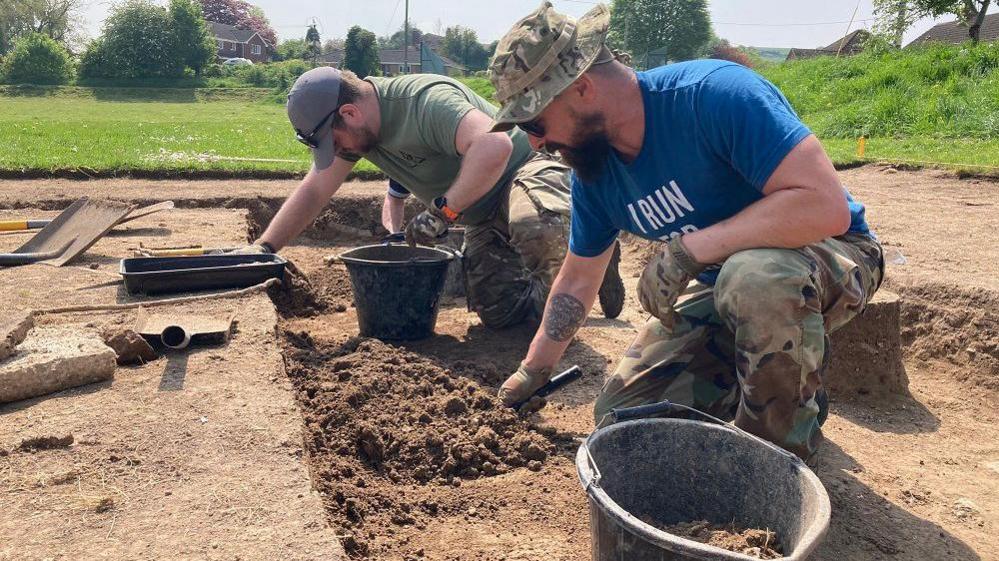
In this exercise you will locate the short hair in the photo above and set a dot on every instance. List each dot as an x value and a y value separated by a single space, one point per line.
351 90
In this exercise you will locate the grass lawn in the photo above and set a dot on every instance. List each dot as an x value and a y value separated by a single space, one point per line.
76 131
244 132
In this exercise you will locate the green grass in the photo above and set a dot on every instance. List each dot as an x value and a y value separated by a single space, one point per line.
166 131
938 104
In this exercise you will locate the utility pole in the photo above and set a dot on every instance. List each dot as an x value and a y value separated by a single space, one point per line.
405 42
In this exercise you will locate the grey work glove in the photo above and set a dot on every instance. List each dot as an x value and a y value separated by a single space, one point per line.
252 249
426 228
665 278
522 384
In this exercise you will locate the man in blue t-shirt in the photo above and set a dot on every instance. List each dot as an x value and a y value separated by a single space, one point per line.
709 158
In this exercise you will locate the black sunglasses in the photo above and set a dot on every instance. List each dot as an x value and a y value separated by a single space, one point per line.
307 139
533 128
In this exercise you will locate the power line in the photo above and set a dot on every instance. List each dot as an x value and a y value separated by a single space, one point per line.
789 24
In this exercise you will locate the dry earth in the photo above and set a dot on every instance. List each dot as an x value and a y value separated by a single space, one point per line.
910 476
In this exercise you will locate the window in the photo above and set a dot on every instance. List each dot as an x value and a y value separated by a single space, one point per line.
255 49
232 46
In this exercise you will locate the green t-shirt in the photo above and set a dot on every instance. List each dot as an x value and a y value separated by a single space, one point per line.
419 120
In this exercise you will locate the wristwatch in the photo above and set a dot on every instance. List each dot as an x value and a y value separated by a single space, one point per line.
441 204
267 246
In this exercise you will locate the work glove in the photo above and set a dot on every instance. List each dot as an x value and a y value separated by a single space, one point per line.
523 383
252 249
665 278
426 228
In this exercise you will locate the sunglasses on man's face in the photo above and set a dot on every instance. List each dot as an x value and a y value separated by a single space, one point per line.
533 128
309 139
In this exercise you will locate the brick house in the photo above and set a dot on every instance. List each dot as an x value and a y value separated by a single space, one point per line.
240 43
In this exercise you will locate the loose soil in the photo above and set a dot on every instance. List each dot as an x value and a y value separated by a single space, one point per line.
206 451
761 544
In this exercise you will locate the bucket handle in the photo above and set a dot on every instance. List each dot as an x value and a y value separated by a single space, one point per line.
400 238
666 406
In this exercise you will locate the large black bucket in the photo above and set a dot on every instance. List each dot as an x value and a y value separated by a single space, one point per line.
668 471
397 289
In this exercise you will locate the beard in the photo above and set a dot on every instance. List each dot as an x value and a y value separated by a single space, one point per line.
365 140
590 147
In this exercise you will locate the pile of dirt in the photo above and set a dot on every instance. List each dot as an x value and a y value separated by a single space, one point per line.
761 544
953 323
388 431
323 290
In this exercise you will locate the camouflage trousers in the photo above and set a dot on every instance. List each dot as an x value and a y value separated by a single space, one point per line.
511 260
753 347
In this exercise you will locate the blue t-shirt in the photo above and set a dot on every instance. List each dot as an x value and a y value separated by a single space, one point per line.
714 133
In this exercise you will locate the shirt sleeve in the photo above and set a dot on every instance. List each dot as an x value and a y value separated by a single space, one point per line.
747 121
591 231
442 107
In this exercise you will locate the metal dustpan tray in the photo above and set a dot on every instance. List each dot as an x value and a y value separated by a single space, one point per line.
152 275
72 232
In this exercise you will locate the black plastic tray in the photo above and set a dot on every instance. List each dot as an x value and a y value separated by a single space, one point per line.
156 275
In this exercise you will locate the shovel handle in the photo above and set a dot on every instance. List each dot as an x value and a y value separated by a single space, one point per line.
641 411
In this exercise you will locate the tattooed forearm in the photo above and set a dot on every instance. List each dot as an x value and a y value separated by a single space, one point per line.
564 316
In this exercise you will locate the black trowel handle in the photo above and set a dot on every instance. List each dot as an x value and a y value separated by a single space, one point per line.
571 375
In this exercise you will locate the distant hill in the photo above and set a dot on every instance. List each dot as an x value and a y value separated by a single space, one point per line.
771 54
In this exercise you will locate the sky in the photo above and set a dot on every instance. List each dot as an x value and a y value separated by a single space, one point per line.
758 23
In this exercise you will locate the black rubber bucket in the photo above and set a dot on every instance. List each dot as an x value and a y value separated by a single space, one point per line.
397 289
669 471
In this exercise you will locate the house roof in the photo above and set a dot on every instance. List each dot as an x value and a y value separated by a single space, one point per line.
957 32
232 33
432 41
332 57
850 44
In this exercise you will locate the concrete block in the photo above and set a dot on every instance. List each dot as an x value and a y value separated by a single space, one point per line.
52 359
13 330
867 352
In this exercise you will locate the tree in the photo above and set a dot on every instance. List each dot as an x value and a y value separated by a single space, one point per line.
896 16
361 52
240 14
54 18
313 44
396 40
138 42
462 44
37 59
681 27
292 49
723 50
330 45
194 41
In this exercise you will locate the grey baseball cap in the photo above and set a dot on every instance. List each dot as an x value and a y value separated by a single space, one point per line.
311 103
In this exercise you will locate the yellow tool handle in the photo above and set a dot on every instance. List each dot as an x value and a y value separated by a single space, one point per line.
13 225
193 251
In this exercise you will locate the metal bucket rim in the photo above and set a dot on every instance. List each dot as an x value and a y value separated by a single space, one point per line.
810 539
445 257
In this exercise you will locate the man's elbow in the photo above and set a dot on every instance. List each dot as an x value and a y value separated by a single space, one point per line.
834 217
499 146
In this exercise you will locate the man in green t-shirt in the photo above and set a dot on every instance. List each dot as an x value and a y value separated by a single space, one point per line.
432 134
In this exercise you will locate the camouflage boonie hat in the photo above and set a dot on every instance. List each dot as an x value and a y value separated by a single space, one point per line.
540 57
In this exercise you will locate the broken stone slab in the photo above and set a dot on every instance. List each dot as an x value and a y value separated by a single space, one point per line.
13 330
52 359
131 348
867 352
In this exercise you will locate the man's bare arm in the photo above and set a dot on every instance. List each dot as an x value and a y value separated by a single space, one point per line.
484 158
305 203
571 297
803 203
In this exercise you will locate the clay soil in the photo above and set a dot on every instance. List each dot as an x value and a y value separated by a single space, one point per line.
414 459
761 544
